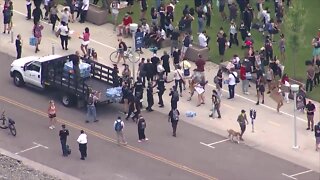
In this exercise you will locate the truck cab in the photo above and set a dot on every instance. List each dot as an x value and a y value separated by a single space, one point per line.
28 70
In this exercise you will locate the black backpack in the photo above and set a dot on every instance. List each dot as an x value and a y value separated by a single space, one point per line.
175 96
236 77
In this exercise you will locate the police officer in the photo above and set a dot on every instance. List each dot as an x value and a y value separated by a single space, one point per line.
138 90
150 96
130 103
161 88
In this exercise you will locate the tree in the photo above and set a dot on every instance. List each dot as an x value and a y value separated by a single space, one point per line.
295 19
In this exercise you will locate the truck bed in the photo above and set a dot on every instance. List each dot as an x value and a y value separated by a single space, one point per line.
100 86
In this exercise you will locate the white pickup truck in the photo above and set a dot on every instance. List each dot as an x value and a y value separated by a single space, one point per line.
48 72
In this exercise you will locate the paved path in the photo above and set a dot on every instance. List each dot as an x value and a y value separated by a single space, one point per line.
274 131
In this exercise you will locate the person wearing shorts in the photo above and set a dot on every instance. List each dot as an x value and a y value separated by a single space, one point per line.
143 4
260 90
130 4
85 41
221 9
186 44
52 114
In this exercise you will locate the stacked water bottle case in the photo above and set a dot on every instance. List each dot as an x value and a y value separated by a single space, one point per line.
85 69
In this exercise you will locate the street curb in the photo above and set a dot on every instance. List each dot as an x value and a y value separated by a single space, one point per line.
38 166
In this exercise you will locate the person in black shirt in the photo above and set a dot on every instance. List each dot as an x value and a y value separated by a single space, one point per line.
247 19
173 117
317 135
138 90
148 68
131 101
174 40
311 108
154 60
19 46
222 45
187 23
161 88
176 56
165 62
37 14
144 8
150 97
64 133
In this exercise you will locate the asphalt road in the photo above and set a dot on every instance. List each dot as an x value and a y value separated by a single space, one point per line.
163 157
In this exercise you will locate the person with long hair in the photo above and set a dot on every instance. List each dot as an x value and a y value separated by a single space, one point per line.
52 114
85 41
37 29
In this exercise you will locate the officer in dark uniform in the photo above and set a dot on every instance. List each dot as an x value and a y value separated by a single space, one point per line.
138 90
130 103
161 88
150 97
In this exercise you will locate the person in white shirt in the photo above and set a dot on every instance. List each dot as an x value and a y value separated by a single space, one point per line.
160 69
114 6
118 127
203 41
145 28
232 82
28 4
63 31
85 7
82 140
178 79
233 34
65 15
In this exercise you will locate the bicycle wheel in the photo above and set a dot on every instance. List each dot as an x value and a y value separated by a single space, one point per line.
114 57
13 129
134 57
3 124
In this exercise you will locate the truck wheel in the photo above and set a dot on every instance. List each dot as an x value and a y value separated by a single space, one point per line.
67 100
18 80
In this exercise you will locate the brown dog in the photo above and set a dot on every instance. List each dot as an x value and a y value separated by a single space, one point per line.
232 134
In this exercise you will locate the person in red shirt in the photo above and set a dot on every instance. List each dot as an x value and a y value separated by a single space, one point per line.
245 81
200 63
125 25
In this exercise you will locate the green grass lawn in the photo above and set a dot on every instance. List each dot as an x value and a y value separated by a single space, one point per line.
311 27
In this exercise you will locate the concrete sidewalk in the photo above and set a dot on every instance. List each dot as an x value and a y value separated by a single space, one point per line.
274 132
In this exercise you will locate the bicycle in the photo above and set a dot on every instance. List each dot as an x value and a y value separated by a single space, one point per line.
8 123
133 57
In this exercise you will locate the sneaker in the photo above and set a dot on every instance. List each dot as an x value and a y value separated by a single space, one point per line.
53 127
308 129
146 139
87 121
262 102
96 120
219 117
257 103
50 127
139 141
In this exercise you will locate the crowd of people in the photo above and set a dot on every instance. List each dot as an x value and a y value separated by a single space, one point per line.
262 64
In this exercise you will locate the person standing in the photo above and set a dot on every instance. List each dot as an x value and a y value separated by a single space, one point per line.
186 43
141 129
118 127
174 118
178 79
260 89
114 6
63 32
37 14
18 46
317 135
174 97
150 96
37 29
6 18
52 114
310 77
63 134
311 108
85 40
165 62
82 141
91 108
84 11
222 45
53 16
270 78
233 34
232 82
243 77
215 98
174 40
242 120
28 4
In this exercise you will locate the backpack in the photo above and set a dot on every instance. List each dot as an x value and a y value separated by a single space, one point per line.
175 96
125 47
175 115
143 125
118 127
236 78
